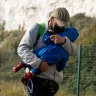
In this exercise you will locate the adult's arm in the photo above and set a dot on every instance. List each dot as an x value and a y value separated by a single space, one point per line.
70 47
66 44
26 45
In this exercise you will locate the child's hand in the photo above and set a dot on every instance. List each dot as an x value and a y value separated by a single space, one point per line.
57 39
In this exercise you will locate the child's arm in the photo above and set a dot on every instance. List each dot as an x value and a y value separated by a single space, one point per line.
71 33
67 38
46 38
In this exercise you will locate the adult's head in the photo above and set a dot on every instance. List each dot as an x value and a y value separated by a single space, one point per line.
59 18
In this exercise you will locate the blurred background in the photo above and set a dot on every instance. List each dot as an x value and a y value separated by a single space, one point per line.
17 16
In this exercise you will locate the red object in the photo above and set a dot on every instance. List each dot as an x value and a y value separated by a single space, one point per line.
18 67
26 77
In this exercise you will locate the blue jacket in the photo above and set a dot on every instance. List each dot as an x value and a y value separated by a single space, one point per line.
55 53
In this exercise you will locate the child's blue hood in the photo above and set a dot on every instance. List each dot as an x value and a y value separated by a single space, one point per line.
71 33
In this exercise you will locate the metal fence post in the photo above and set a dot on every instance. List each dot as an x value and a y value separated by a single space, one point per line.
78 72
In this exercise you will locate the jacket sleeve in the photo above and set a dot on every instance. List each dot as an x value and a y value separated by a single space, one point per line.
26 45
46 39
70 47
61 65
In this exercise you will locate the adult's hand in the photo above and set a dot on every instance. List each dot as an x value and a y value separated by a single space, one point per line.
44 66
57 39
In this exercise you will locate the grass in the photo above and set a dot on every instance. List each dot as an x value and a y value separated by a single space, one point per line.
17 89
11 89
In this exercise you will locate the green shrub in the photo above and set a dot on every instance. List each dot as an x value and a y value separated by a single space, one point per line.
80 21
11 40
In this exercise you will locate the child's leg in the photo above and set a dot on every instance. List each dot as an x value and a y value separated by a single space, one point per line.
26 77
18 67
35 71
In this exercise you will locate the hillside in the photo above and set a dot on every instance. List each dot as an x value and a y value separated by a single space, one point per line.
26 12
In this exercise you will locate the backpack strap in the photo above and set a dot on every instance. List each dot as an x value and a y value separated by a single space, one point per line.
40 31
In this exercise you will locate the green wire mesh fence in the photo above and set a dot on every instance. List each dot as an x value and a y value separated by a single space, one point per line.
80 73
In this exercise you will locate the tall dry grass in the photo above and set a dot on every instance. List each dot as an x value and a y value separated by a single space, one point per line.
17 89
11 89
